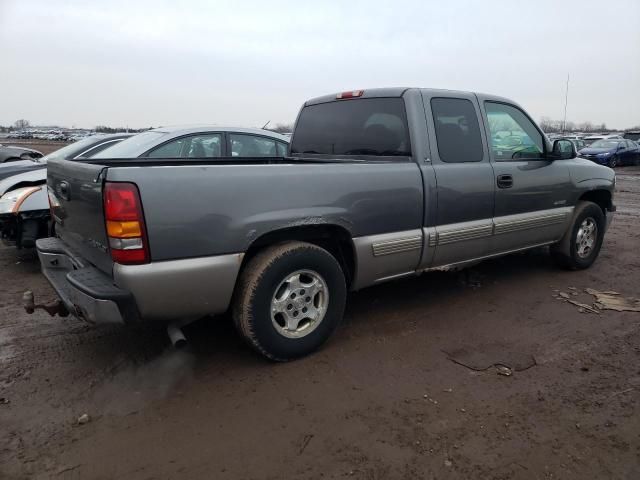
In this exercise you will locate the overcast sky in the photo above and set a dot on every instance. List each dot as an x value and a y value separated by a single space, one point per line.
142 63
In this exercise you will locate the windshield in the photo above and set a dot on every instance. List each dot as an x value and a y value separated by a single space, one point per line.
132 147
605 144
69 151
371 126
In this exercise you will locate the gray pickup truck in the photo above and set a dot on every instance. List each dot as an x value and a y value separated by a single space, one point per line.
377 185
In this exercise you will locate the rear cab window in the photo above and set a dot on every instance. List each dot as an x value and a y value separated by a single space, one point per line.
354 127
132 146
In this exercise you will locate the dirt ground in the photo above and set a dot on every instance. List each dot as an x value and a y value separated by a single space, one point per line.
382 400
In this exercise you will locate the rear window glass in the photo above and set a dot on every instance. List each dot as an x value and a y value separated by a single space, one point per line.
70 151
374 126
132 146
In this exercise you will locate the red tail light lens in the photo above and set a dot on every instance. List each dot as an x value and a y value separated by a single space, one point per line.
125 223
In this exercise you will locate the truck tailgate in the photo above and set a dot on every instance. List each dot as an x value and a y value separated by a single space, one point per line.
76 190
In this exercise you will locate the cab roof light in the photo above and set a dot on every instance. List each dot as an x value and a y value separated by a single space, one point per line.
351 94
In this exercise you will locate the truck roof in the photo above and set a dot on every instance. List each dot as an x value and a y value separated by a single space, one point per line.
399 92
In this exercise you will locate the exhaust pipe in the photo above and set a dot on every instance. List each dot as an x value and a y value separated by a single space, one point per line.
178 340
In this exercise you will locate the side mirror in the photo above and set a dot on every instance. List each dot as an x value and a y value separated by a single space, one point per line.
564 149
621 147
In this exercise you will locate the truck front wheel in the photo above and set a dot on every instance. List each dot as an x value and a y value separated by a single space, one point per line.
289 300
579 247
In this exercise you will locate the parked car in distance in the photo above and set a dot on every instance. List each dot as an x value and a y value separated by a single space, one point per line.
24 205
594 138
200 142
633 135
612 152
577 142
379 184
15 154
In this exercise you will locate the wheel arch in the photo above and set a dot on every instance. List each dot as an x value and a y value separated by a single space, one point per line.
336 239
600 197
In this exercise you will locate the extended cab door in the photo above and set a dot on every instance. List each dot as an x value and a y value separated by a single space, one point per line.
532 192
460 226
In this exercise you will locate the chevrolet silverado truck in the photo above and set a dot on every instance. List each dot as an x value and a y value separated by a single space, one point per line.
377 185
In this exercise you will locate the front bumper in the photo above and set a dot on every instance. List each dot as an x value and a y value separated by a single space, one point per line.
23 229
86 292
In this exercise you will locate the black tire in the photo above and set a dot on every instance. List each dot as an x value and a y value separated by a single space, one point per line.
262 277
613 162
565 252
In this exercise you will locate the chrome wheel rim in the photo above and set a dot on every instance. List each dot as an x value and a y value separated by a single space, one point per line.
586 237
299 304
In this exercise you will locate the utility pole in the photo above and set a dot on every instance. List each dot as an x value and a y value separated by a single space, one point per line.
566 97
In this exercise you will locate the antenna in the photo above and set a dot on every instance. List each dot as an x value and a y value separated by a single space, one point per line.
265 125
566 98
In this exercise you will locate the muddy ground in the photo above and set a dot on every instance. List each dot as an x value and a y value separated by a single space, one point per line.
382 400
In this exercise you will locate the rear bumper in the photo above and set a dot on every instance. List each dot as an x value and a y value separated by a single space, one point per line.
163 291
86 292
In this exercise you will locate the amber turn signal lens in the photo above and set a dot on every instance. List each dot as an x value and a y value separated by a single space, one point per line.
123 229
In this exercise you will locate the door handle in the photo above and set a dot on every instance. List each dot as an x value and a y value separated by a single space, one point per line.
505 181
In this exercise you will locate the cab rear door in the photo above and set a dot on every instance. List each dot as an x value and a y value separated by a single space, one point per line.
461 226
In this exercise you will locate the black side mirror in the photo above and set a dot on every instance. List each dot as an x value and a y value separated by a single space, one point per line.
564 149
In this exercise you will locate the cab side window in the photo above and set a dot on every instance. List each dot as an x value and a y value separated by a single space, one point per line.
457 130
513 135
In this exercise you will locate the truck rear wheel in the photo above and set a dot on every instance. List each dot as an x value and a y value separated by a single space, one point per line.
289 300
581 244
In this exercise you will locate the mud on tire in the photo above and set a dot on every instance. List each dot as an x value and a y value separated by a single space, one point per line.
269 294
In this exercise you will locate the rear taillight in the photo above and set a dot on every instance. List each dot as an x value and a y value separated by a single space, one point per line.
125 223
